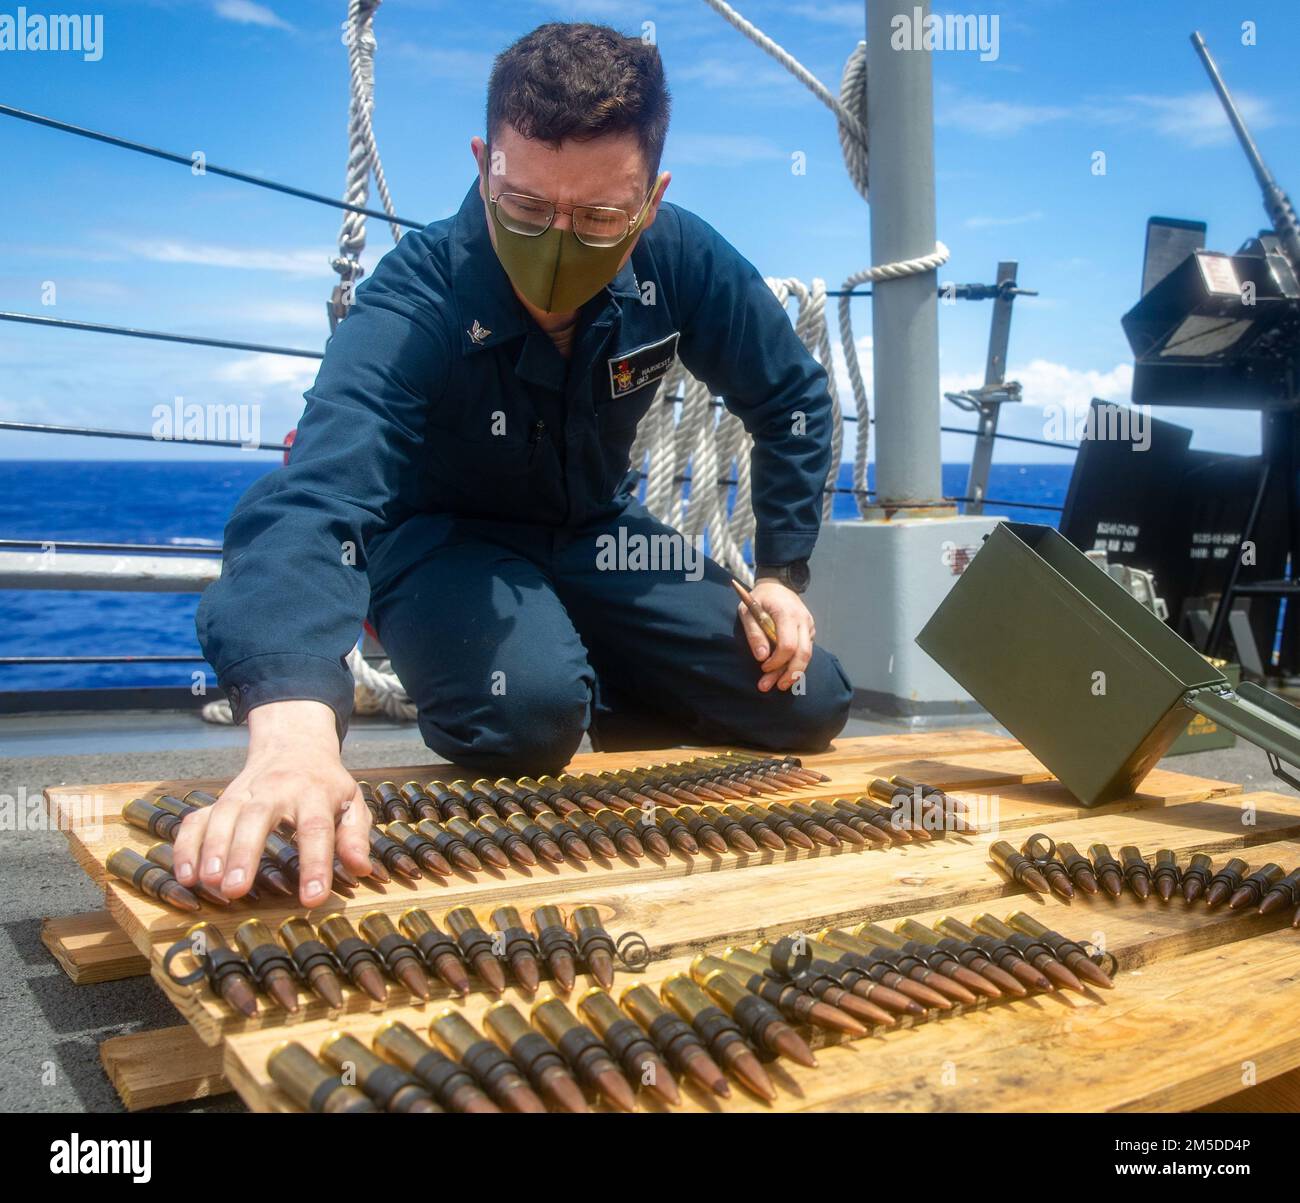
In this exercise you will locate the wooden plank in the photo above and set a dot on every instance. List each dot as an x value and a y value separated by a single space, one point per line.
851 766
1279 1094
1050 1052
163 1066
678 915
92 948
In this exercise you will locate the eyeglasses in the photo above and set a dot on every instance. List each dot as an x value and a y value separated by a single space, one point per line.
593 225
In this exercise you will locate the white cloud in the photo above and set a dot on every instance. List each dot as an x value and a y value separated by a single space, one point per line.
1197 118
245 12
260 373
1046 383
301 262
979 223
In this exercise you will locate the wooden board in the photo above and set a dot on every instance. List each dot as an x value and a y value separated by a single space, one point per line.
92 948
1009 1055
851 765
167 1065
1004 1056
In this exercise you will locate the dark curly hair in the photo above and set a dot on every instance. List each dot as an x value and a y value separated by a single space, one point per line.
573 80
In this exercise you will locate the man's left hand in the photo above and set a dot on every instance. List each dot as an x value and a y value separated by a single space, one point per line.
795 630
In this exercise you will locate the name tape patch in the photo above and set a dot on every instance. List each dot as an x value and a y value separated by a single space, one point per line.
644 365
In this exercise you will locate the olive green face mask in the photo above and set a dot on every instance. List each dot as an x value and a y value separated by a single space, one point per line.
554 270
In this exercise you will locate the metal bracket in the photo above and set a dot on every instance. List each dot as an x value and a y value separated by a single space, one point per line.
1280 773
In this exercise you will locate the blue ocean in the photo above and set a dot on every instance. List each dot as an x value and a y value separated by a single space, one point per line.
187 504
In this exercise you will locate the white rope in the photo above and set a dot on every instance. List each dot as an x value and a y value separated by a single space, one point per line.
363 155
850 110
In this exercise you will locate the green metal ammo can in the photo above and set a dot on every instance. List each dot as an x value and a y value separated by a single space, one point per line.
1083 674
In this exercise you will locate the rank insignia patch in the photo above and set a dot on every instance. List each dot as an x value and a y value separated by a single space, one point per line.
644 365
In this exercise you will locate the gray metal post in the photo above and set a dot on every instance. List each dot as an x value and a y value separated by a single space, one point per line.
904 313
995 373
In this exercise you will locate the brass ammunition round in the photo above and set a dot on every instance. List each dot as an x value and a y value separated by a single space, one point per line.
645 829
453 1086
147 817
629 1044
449 846
1283 893
200 797
389 1086
450 806
558 948
542 845
754 826
228 974
440 952
478 842
729 829
391 803
619 832
126 864
595 946
494 1071
1018 867
573 791
759 1020
808 825
567 837
677 833
164 856
355 956
829 821
476 946
720 1033
675 1038
502 801
587 1057
174 805
315 963
702 831
1110 873
864 832
419 848
1196 877
1078 867
505 839
1255 886
596 839
515 945
541 1062
599 787
1052 870
272 968
400 956
417 799
1166 876
311 1085
391 854
283 854
1136 871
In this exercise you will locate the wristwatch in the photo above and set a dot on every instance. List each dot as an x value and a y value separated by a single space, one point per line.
794 575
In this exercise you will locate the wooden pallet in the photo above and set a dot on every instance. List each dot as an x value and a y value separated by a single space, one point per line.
690 904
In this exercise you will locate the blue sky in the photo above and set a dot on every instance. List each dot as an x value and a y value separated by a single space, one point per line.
263 88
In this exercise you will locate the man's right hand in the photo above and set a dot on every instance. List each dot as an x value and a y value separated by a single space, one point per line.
293 773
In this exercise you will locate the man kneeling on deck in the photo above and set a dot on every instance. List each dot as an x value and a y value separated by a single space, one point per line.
460 475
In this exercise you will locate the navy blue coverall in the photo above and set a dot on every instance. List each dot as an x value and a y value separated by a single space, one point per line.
453 476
